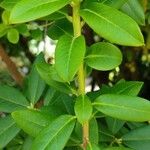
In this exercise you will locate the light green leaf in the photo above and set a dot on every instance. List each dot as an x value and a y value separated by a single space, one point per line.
13 36
8 4
31 10
35 84
134 9
138 139
8 130
55 135
124 107
69 56
32 122
5 17
104 21
83 109
47 76
103 56
3 29
11 99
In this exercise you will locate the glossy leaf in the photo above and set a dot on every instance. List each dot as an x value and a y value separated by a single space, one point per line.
138 139
55 135
8 130
104 21
32 122
31 10
35 84
124 107
83 109
134 9
69 56
103 56
11 99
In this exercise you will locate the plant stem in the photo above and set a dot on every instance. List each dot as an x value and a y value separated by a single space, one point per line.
81 78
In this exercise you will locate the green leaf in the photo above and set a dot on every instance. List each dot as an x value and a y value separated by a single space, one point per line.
92 147
104 21
124 107
49 71
48 76
3 29
114 125
27 143
138 139
8 4
55 135
114 3
59 28
134 9
69 56
13 36
31 10
32 122
11 99
131 88
35 84
8 130
117 148
103 56
83 109
93 131
5 17
60 103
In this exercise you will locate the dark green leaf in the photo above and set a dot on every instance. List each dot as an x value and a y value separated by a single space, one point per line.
35 84
11 99
8 130
138 139
47 77
59 28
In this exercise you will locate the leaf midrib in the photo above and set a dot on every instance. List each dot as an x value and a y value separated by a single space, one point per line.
110 23
119 106
52 138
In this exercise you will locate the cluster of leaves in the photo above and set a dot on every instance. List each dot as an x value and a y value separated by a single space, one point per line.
55 123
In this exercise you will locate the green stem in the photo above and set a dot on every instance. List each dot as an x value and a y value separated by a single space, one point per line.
81 77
